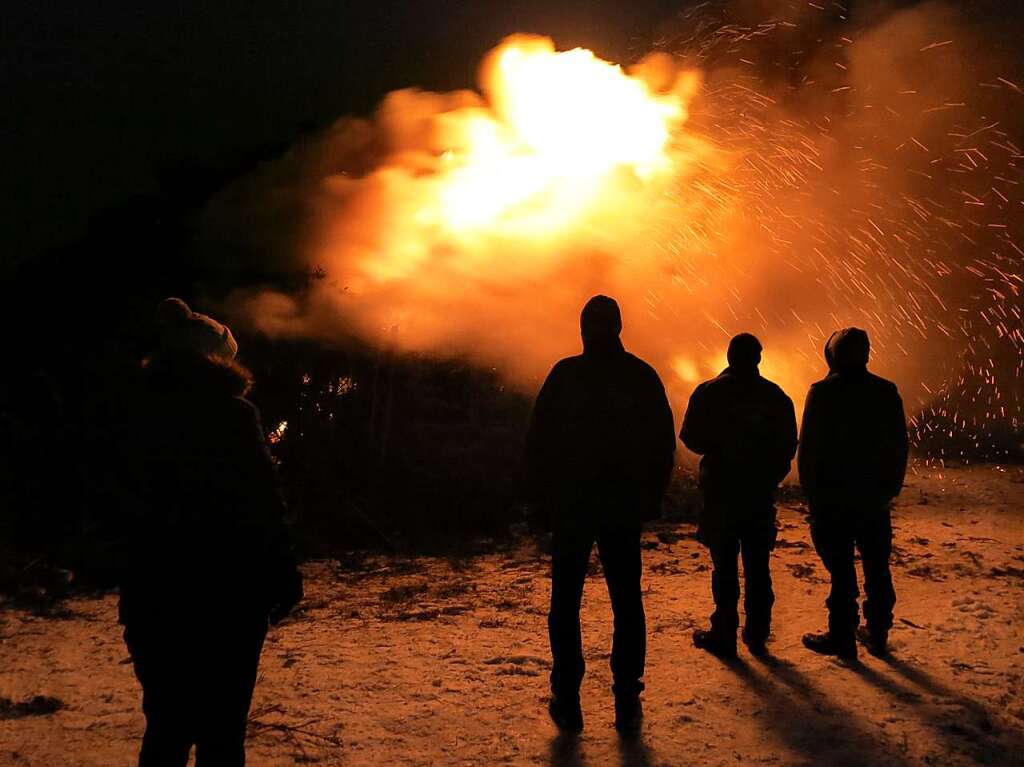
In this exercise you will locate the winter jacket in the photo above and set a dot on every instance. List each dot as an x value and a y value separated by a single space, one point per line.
853 441
744 427
208 537
601 441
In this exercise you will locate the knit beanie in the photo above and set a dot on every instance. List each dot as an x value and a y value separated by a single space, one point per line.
184 330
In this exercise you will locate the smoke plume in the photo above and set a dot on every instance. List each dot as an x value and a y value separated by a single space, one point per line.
784 171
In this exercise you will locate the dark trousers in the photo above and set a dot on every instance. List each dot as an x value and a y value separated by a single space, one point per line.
197 684
755 548
619 550
836 532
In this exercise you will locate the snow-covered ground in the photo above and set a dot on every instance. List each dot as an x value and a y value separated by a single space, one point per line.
433 661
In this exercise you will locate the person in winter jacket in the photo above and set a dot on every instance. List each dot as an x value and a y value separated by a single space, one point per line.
744 427
208 556
600 454
853 458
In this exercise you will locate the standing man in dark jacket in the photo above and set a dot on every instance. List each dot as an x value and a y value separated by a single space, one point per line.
853 458
600 454
208 554
744 426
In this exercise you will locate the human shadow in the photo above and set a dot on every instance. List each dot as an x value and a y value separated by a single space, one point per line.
967 726
805 719
564 751
634 752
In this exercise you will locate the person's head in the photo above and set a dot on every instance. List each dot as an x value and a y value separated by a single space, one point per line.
187 332
744 352
848 350
600 320
196 354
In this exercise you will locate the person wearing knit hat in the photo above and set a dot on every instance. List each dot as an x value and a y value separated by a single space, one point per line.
208 555
184 330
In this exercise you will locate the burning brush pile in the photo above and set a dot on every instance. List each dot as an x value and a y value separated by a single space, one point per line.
786 173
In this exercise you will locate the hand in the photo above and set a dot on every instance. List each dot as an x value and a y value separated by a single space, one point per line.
289 595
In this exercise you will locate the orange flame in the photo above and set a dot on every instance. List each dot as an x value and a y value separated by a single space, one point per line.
477 224
562 122
562 138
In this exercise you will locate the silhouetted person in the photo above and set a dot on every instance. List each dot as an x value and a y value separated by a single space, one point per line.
744 426
209 558
853 458
600 454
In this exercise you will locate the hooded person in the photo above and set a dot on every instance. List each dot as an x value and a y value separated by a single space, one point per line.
744 428
852 462
600 452
209 560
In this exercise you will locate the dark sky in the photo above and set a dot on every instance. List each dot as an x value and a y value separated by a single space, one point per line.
99 95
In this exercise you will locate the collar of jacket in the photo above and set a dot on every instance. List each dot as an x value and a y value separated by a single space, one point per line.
736 372
849 373
603 347
196 375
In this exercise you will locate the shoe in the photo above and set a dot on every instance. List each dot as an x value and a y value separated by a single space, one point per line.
756 643
629 714
826 644
712 642
877 643
566 713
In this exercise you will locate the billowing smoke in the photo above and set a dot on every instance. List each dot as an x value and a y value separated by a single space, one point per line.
781 171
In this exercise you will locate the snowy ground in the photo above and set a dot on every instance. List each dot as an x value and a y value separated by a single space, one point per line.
432 661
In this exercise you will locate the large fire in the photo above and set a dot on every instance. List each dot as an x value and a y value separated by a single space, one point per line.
562 139
560 125
487 220
478 223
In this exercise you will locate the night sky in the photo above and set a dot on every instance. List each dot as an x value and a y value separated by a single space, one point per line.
101 98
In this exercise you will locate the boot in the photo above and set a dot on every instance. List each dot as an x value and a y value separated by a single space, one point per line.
566 712
876 642
629 714
715 643
828 644
756 642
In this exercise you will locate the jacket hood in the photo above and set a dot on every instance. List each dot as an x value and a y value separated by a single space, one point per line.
600 325
847 351
828 353
197 374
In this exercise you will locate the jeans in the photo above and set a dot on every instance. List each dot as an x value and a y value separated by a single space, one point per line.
755 547
197 684
836 532
619 550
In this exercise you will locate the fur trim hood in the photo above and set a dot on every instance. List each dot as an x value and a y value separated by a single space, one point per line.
197 374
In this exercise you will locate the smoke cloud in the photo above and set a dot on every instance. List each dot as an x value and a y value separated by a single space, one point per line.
785 172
